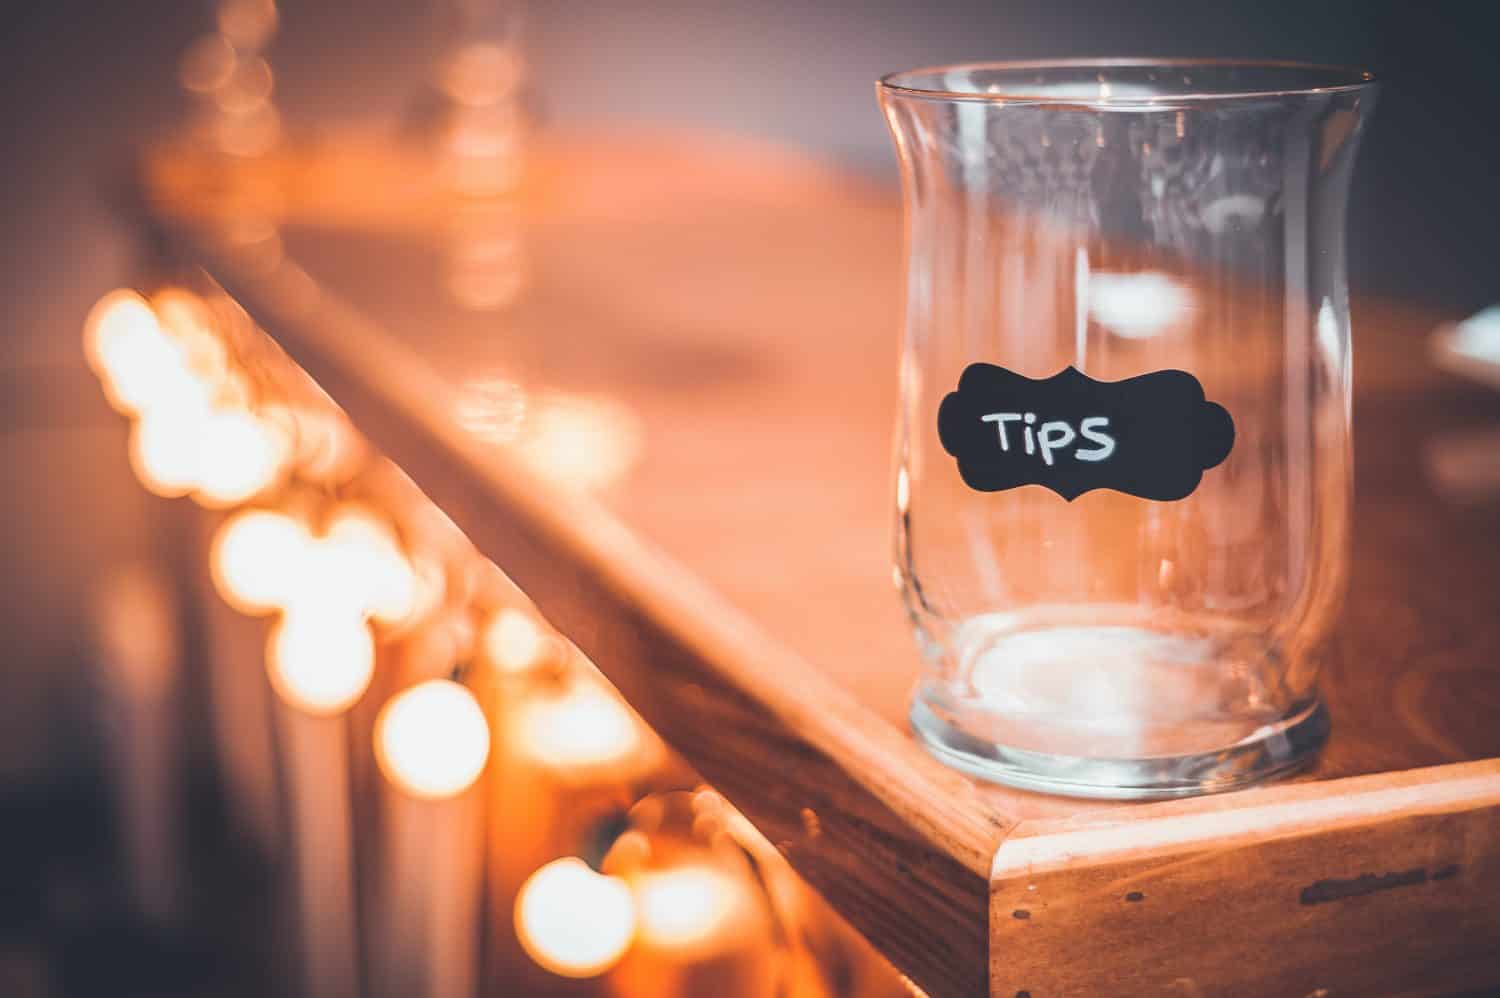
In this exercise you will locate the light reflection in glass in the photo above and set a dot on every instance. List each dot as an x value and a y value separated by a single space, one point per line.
1137 305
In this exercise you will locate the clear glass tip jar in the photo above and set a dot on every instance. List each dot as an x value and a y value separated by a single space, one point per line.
1123 475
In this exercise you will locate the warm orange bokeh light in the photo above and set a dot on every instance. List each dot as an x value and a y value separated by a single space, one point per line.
482 73
206 64
687 908
163 365
222 456
514 642
584 728
140 366
375 563
432 740
255 554
320 662
573 921
247 24
239 456
164 451
186 319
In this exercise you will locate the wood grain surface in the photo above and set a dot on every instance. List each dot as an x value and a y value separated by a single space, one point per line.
1372 885
735 308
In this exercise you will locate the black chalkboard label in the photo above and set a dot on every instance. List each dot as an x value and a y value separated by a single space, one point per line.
1152 436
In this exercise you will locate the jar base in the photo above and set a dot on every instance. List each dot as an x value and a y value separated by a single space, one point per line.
1274 749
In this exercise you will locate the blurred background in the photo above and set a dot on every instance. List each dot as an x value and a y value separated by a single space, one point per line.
83 84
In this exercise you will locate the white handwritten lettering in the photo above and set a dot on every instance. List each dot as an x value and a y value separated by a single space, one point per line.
1000 419
1056 434
1090 428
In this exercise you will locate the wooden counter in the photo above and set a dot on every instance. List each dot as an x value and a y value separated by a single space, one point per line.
711 325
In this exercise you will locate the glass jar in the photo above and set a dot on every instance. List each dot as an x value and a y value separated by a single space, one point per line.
1123 465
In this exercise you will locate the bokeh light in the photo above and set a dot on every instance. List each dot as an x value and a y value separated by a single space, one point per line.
239 456
116 319
573 921
247 87
206 64
514 641
139 365
585 727
247 24
320 662
255 554
686 907
187 321
374 561
482 73
164 451
331 580
252 133
432 739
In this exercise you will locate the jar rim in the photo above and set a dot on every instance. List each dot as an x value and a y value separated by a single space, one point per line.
1321 78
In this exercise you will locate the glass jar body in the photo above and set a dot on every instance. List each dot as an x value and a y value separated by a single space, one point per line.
1100 634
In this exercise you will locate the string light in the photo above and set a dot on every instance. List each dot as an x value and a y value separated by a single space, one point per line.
238 457
117 318
431 586
197 430
685 908
247 24
206 65
231 80
481 74
514 642
164 451
432 740
221 456
254 553
160 364
373 561
264 561
247 87
185 318
139 365
330 579
320 662
586 727
573 921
